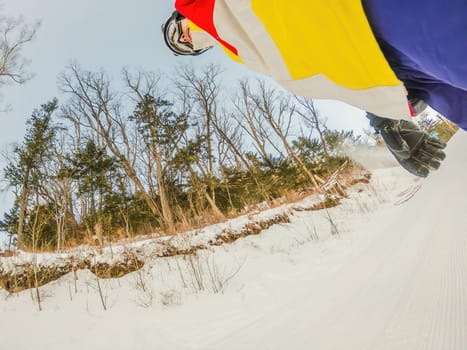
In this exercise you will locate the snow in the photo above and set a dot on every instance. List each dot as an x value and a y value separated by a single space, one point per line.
387 269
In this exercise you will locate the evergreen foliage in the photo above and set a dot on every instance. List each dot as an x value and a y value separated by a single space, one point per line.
104 174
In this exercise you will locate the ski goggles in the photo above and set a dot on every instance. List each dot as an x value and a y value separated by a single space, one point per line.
173 33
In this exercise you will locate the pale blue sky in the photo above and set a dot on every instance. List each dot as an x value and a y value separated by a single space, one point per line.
108 34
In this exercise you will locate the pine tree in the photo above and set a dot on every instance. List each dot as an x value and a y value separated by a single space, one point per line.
25 172
94 170
161 130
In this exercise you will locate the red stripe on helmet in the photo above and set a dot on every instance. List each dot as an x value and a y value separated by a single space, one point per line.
201 13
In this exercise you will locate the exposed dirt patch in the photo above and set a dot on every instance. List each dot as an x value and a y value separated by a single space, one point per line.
29 275
249 229
7 254
329 202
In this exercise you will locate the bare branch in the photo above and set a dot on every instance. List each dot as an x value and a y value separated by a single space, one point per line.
14 35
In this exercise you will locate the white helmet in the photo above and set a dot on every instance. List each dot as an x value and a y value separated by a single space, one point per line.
172 32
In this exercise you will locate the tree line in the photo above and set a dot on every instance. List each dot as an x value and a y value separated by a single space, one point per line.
159 155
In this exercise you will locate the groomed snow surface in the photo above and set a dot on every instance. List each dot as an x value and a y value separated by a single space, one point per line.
387 269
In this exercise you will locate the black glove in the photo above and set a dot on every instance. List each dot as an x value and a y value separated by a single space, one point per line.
414 149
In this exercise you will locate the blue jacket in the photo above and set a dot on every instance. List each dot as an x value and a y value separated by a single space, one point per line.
425 43
368 53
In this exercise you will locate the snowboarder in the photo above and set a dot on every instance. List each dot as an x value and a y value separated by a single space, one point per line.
369 54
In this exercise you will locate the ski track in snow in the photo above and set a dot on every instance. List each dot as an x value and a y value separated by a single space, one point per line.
407 291
394 278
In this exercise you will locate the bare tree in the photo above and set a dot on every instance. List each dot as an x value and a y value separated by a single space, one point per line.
59 190
199 93
230 134
250 119
96 107
203 90
312 120
14 35
279 111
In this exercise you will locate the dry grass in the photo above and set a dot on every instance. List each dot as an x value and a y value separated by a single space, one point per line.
27 276
7 254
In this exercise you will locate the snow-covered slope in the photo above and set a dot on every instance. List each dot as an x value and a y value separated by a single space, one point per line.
406 290
384 274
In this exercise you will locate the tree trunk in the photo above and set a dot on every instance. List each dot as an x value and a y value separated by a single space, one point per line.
23 203
165 205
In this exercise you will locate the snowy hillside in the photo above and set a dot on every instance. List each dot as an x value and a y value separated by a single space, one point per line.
387 269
